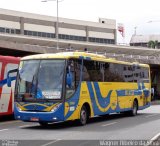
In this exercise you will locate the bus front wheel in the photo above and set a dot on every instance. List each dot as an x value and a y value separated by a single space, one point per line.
83 116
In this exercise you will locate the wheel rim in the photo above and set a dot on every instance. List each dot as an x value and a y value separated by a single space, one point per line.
83 116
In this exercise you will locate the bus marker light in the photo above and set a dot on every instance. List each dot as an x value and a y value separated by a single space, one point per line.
54 118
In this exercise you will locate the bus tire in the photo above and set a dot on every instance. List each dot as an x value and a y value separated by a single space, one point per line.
83 116
134 110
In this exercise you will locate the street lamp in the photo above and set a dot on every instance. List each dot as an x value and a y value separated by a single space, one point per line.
151 21
135 30
57 23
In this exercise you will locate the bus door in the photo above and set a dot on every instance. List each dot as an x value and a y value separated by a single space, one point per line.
72 85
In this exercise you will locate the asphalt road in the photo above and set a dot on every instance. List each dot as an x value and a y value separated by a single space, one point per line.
144 126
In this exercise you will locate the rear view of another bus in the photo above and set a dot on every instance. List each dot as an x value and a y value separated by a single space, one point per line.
7 63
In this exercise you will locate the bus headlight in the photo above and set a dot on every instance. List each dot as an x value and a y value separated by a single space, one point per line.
56 107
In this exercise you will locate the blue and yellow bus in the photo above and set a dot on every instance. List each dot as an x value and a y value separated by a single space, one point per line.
78 86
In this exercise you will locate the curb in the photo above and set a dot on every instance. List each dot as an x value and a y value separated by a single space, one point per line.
155 141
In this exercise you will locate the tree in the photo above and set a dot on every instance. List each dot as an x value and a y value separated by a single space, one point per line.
153 44
156 44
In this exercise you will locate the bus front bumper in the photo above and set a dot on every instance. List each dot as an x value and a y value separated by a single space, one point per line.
34 116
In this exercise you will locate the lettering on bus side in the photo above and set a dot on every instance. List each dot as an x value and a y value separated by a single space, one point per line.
84 92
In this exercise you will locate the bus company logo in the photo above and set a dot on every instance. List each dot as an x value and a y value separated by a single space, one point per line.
9 143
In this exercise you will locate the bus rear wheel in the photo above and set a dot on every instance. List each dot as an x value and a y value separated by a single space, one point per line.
83 116
133 112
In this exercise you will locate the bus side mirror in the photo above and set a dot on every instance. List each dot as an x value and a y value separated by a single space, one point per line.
146 92
8 81
69 79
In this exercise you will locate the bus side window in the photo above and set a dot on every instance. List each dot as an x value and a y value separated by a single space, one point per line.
114 72
93 71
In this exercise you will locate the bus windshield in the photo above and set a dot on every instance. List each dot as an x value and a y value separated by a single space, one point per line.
40 79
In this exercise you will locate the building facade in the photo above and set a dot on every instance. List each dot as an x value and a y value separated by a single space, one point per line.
44 27
150 41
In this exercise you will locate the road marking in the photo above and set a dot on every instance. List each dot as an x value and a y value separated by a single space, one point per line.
151 115
153 139
23 126
3 130
109 124
51 142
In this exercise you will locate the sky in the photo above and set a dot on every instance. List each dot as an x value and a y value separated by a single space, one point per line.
131 13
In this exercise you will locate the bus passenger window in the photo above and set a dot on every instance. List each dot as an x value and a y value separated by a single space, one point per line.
93 71
86 76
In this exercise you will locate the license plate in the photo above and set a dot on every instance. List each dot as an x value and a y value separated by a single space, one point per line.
34 119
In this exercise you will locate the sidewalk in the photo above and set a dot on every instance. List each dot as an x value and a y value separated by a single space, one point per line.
155 102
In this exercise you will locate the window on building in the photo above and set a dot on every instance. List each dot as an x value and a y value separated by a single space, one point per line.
77 38
25 32
71 37
39 34
52 35
111 41
48 35
67 37
17 31
44 34
12 31
2 29
35 33
101 41
29 32
7 30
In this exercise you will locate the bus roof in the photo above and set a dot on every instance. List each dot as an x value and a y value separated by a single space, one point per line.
9 58
85 55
